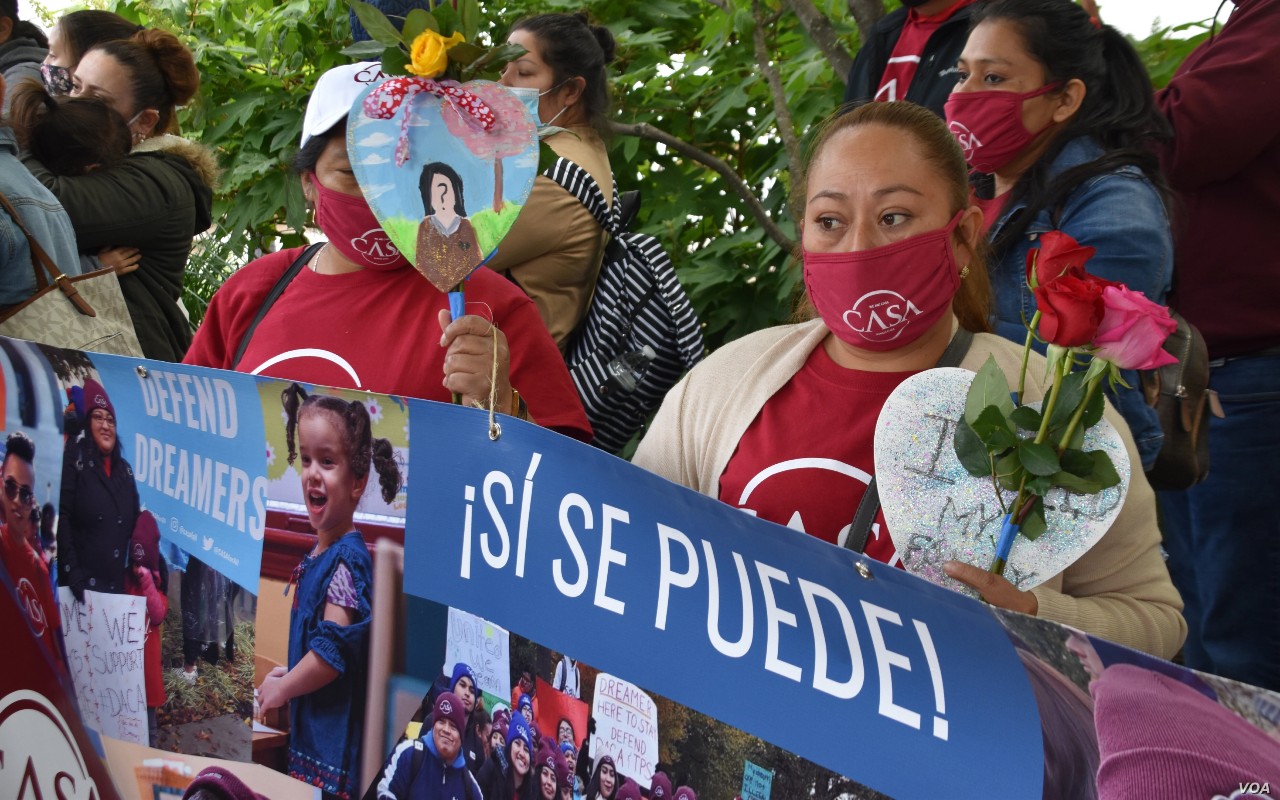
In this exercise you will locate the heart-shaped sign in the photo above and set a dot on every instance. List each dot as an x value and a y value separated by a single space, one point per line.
937 511
445 168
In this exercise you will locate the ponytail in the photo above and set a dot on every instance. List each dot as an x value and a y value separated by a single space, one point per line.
362 450
292 399
69 135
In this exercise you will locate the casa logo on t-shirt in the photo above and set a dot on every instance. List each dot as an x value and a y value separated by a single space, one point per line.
33 607
377 247
880 316
41 756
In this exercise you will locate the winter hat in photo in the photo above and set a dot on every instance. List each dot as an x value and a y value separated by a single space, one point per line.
627 791
335 93
567 749
685 793
524 702
564 775
220 783
144 544
96 397
660 786
449 706
1160 738
460 671
519 729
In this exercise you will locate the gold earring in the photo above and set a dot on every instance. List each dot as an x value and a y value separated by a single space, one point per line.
964 272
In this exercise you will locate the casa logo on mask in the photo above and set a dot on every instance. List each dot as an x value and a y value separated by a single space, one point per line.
965 138
375 246
880 316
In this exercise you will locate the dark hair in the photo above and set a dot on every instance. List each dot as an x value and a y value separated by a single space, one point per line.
19 445
162 73
938 147
82 30
479 716
593 786
308 155
1118 109
67 134
433 169
357 436
572 47
22 29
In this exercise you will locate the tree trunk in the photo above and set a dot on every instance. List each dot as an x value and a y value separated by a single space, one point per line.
823 35
498 202
866 13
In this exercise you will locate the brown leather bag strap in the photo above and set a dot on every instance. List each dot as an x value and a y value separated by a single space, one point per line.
42 265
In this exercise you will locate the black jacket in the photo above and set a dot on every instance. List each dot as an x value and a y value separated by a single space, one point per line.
96 515
156 201
934 78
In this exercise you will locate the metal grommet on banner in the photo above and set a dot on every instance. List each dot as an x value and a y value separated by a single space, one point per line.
864 570
495 431
141 370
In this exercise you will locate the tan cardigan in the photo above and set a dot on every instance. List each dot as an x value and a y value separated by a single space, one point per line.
1119 590
555 247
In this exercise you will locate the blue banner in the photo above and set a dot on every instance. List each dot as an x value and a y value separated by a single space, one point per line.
195 440
917 687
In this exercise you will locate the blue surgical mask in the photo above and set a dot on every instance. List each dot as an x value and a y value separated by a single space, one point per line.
530 98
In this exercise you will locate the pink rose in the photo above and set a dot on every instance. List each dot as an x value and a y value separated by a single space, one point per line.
1133 330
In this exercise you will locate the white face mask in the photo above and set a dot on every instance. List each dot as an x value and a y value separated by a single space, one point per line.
530 98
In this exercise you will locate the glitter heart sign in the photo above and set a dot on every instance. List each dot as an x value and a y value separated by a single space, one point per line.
446 168
936 511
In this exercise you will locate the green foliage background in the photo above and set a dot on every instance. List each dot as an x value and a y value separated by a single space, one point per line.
687 68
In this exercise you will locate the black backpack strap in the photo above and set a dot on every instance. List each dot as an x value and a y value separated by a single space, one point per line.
272 297
865 516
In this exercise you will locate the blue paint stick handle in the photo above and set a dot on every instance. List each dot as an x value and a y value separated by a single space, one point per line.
1008 531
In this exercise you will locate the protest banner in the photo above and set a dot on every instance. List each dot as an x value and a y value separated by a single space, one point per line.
626 727
195 440
756 782
554 707
104 637
925 674
484 647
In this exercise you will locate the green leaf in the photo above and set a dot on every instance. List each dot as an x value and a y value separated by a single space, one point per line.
1104 472
1075 483
1039 486
417 21
1093 411
1009 471
1026 418
1069 396
546 157
970 451
1033 525
395 61
989 388
1038 459
1076 462
466 53
469 15
495 56
376 23
368 48
993 429
446 18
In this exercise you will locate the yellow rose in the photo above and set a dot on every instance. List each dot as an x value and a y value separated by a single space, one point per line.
429 55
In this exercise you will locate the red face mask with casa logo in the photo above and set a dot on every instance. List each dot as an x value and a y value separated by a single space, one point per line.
988 125
885 297
352 228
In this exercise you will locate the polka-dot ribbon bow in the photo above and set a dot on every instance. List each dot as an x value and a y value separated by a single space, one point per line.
384 101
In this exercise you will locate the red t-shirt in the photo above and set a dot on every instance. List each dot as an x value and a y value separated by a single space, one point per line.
378 331
906 55
31 580
807 458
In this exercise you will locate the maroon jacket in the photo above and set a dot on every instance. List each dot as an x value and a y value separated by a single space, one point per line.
1224 162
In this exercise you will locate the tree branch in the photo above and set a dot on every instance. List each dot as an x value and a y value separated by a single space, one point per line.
786 126
644 130
866 13
823 35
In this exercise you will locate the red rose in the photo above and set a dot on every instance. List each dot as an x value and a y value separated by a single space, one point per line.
1070 309
1133 330
1057 255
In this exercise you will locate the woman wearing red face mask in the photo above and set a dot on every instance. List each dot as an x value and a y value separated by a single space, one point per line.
359 316
1055 114
893 265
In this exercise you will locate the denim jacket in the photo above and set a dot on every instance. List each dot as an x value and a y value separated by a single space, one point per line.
326 725
44 217
1119 213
